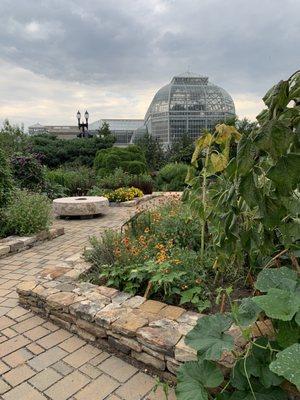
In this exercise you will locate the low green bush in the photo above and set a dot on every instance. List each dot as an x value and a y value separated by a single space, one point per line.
76 182
171 177
26 213
119 178
131 159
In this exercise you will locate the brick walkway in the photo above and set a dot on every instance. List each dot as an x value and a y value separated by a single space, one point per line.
38 360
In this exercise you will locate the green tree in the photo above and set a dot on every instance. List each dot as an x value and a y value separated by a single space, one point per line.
12 138
181 149
153 151
104 131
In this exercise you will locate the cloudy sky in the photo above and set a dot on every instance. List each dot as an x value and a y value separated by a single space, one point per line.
110 56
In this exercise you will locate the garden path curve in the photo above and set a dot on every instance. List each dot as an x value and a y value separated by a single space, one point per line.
39 360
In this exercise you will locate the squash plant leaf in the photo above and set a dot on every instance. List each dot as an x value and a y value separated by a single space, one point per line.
279 304
297 318
280 278
246 153
247 312
288 333
208 337
287 364
273 393
194 377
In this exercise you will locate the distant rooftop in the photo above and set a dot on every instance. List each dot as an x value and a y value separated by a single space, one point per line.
117 124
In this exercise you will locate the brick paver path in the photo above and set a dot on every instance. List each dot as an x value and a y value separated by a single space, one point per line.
39 360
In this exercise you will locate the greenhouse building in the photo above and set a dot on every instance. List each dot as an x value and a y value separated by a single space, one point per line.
189 104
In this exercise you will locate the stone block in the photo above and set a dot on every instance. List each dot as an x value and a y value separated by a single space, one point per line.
109 314
61 300
60 322
184 352
92 328
153 353
152 306
86 309
27 240
121 297
160 336
126 341
134 302
173 366
107 291
189 317
171 312
119 346
41 236
149 360
83 334
4 249
25 288
128 324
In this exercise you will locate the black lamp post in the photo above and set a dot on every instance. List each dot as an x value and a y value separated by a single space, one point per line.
83 126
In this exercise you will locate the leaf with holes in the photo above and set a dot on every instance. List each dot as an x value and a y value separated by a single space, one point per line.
194 377
208 337
287 364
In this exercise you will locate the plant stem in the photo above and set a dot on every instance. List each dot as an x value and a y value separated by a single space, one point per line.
204 186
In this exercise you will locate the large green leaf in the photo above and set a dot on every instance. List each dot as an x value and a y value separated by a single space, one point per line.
295 87
194 377
286 173
274 137
273 212
287 364
260 394
208 336
281 278
277 97
247 312
279 304
249 191
246 153
297 318
288 333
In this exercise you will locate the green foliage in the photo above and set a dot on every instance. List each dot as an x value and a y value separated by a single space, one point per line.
265 362
12 138
171 177
158 250
244 198
28 172
76 182
27 213
153 151
194 377
56 152
104 131
119 178
181 149
6 182
128 159
209 337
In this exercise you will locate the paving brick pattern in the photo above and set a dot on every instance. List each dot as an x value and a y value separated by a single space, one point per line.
39 360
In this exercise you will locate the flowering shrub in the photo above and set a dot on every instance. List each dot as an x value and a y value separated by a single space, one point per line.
123 194
26 213
157 253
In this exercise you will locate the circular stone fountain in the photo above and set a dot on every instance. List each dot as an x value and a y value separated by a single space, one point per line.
87 206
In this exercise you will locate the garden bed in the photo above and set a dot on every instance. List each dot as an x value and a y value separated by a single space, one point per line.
136 201
15 244
149 331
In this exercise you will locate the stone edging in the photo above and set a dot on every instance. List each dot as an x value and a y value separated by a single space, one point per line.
145 330
15 244
136 201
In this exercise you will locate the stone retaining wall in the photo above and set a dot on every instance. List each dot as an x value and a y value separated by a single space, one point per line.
145 330
15 244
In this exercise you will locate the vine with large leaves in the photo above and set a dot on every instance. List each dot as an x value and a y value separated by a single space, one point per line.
250 212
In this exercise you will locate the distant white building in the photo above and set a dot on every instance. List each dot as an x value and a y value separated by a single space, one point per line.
60 131
122 129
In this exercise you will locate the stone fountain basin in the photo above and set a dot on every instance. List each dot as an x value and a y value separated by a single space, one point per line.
80 206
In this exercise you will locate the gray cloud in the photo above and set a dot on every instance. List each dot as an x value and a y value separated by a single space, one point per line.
134 45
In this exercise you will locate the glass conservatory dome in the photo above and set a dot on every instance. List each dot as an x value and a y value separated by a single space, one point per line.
189 103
